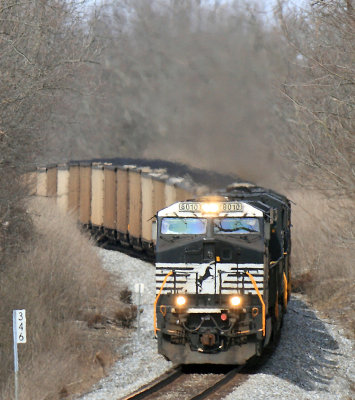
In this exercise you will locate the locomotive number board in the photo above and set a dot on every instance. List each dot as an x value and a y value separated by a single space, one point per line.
210 207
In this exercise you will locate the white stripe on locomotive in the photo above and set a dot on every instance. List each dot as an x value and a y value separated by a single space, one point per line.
185 279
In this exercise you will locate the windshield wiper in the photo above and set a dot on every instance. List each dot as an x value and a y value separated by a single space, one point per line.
236 229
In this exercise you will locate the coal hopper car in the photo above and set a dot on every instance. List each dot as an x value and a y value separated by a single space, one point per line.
222 275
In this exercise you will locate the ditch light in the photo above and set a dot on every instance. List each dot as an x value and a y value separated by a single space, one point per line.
235 301
180 301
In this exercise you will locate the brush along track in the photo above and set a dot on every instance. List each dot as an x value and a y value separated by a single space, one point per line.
179 384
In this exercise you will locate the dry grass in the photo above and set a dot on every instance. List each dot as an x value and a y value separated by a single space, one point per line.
126 316
126 296
322 255
60 283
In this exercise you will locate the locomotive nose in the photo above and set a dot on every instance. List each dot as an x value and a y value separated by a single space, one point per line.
209 251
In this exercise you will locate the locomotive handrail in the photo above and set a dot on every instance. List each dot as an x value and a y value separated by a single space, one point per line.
273 263
285 290
156 301
260 298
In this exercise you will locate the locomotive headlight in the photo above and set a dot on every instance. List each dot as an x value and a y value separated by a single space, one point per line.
180 301
210 207
235 301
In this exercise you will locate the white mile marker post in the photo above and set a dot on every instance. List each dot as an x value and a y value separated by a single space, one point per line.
139 288
19 331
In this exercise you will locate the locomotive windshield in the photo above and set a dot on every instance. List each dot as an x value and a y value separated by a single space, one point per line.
236 225
183 226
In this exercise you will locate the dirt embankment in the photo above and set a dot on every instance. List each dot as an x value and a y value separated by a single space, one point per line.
74 312
323 256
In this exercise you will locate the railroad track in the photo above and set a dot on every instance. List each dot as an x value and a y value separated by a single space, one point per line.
182 385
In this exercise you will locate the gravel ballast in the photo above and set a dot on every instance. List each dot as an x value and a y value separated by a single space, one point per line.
313 359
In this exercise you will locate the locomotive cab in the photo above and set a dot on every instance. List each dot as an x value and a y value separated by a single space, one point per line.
213 258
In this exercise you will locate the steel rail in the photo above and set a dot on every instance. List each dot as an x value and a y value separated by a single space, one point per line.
171 376
152 387
213 388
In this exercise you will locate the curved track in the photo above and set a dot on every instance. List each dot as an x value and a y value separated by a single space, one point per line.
212 383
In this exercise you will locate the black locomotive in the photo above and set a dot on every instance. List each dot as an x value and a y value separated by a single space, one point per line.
222 275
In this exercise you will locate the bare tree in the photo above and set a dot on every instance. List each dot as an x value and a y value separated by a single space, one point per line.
42 43
184 80
320 94
319 110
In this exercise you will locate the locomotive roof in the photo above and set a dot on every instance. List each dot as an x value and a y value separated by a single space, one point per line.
256 195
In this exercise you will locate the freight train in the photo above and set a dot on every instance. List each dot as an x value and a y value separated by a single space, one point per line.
222 275
117 202
222 261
